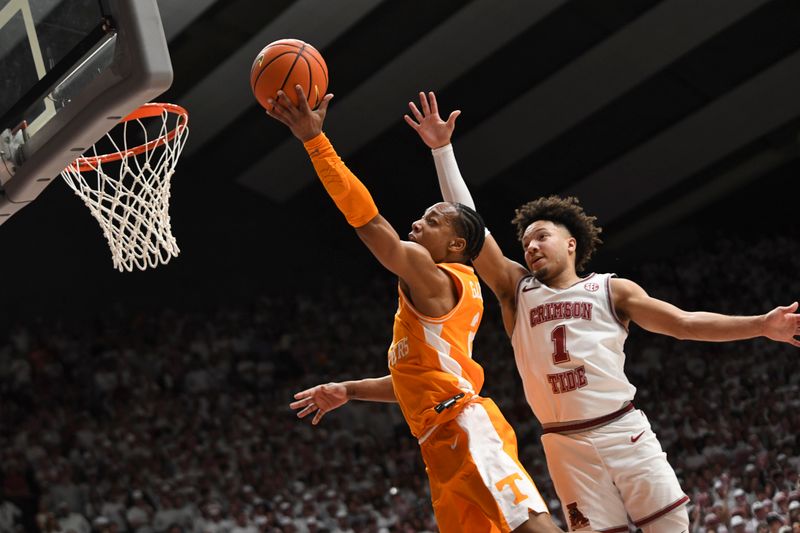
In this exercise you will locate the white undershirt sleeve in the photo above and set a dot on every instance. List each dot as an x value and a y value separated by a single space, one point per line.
451 183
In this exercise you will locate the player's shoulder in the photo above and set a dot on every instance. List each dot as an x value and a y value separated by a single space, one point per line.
463 274
419 259
516 273
528 283
617 280
623 286
459 268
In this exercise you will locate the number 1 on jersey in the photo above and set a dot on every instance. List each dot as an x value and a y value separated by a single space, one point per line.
559 337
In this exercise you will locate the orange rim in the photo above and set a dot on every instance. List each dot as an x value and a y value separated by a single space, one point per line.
151 110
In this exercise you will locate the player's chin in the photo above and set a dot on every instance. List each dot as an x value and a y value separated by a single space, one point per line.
539 273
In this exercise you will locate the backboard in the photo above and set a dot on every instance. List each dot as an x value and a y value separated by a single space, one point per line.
70 70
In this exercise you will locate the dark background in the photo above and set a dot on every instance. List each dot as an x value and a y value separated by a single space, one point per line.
717 101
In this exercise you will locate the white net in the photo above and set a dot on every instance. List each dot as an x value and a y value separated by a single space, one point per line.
128 191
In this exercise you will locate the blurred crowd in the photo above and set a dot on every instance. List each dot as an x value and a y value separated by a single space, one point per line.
179 422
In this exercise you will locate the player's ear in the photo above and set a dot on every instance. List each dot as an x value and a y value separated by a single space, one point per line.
457 245
572 245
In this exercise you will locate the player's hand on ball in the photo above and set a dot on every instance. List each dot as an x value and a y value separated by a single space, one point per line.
783 324
434 131
319 400
304 123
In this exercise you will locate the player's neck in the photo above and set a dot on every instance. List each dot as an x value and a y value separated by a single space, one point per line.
563 280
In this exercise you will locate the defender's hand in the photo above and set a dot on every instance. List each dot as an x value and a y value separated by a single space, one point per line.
304 123
782 324
319 400
429 125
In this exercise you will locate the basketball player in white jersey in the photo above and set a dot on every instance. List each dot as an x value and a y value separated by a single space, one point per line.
568 332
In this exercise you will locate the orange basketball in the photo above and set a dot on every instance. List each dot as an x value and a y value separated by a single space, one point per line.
285 63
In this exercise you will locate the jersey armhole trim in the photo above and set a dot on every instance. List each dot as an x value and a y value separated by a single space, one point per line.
611 302
516 303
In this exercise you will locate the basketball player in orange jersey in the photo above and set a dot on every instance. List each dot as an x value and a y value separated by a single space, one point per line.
477 483
568 333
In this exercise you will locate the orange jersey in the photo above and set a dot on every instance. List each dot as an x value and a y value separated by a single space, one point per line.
430 359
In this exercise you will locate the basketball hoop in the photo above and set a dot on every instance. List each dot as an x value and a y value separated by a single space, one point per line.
130 200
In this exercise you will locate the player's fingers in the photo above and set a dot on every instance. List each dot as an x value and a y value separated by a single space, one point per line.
410 121
317 417
451 120
300 403
305 393
323 106
423 102
432 100
302 101
277 113
285 104
790 308
415 111
307 411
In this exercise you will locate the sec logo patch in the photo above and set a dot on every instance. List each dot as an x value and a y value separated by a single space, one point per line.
592 287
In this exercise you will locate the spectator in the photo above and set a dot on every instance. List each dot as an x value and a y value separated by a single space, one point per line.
738 524
10 516
725 413
774 522
71 521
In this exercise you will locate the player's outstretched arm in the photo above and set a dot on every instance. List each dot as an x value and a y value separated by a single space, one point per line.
632 303
408 260
499 272
325 398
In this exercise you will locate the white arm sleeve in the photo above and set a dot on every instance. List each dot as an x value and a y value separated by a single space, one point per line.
452 185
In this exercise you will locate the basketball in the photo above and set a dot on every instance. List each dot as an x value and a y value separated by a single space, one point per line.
285 63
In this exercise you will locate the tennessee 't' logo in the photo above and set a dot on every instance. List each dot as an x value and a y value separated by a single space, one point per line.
592 287
576 518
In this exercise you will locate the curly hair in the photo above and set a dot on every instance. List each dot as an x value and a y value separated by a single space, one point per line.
566 212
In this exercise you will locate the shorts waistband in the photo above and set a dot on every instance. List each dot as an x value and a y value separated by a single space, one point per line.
592 423
444 406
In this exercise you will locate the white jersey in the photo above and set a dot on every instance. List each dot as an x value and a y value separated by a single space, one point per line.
568 344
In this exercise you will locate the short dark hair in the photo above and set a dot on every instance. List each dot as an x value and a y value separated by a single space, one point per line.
566 212
469 226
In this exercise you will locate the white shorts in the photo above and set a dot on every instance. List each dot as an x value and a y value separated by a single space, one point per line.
606 475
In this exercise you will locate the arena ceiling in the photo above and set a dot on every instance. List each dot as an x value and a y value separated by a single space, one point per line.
622 103
648 110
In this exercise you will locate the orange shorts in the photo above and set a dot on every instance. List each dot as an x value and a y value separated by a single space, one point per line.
477 481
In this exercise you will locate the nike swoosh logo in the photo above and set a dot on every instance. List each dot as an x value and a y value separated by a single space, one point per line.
455 442
526 289
637 437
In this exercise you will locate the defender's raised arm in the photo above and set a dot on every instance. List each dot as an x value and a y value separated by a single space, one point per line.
500 273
